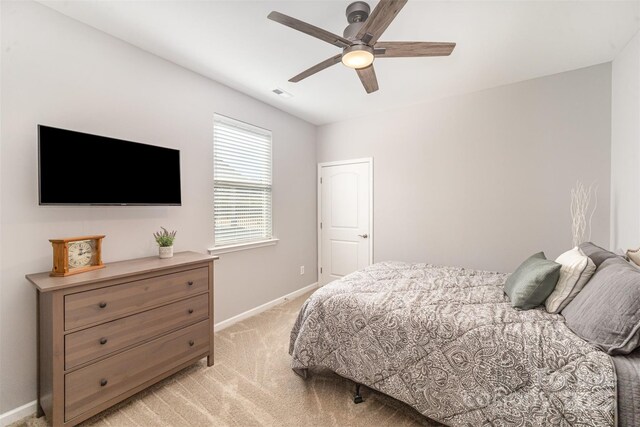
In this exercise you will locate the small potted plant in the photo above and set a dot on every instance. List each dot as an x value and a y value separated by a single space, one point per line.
165 240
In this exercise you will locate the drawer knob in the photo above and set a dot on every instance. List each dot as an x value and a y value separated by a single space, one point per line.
103 382
191 343
190 310
103 341
102 304
190 283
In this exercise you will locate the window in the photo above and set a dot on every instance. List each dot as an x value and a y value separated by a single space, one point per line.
241 181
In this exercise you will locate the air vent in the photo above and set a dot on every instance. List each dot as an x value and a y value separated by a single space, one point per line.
282 93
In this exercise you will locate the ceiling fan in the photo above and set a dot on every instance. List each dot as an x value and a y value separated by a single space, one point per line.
359 43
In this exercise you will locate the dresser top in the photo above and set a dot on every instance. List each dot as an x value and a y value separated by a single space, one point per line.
115 270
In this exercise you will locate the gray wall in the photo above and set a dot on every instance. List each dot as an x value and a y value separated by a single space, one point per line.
483 180
59 72
625 147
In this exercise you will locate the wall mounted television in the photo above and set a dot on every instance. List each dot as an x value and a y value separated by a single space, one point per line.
76 168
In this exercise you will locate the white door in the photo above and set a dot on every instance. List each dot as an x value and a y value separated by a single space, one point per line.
345 232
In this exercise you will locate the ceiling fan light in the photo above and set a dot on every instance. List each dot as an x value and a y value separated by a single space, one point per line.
358 56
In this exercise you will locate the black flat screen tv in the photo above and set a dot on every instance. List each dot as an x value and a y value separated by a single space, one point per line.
76 168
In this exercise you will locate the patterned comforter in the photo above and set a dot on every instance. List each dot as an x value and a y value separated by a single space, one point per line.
446 341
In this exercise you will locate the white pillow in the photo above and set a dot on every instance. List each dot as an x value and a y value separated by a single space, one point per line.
575 272
634 256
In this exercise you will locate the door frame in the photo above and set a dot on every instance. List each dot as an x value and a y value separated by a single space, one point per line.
367 160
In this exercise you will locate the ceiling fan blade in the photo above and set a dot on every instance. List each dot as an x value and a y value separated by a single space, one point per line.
410 49
379 20
318 67
368 78
309 29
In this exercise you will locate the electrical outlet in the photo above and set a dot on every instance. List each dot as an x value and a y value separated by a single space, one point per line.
301 269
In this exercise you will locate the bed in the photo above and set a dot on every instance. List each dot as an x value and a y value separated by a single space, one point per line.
446 341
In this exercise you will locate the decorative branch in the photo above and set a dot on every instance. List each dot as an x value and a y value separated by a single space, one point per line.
581 214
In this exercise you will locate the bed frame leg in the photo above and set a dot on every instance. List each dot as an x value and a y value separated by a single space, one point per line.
357 398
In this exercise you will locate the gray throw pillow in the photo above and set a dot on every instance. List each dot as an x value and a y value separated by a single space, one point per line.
597 254
607 311
532 282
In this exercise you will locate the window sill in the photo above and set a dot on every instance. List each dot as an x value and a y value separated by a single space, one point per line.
242 246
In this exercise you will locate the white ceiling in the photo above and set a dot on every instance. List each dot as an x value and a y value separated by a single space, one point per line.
234 43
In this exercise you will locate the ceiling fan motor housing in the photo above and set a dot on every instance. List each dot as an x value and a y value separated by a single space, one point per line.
357 13
351 31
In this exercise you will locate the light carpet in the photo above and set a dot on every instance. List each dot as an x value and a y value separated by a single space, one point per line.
252 384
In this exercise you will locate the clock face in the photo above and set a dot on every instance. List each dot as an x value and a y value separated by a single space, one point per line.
81 253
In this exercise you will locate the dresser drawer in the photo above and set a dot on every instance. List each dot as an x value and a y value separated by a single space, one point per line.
101 305
95 384
88 344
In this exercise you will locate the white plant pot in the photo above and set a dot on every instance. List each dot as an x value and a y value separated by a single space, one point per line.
165 251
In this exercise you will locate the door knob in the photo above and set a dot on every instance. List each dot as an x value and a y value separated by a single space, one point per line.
364 236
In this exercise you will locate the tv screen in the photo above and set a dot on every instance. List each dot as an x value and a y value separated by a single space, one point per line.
77 168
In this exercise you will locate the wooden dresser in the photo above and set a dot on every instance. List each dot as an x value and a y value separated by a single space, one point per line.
105 335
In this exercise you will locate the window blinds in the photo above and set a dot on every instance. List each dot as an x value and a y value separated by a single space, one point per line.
242 182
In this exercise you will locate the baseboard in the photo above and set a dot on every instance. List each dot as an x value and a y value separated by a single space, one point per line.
264 307
30 408
17 414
